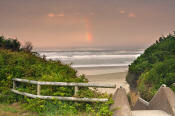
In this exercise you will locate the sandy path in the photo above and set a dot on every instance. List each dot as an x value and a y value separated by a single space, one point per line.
113 78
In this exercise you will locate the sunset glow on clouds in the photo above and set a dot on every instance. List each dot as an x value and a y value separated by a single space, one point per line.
131 15
51 15
87 22
122 12
86 34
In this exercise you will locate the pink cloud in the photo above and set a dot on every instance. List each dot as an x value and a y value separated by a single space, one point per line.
122 12
51 15
131 15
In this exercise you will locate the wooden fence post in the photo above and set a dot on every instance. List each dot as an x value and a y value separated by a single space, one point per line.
14 84
76 90
38 89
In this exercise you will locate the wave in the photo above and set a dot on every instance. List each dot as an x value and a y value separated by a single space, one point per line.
98 65
92 56
92 52
58 57
105 56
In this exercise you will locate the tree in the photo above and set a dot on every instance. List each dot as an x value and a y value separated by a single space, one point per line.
27 47
1 41
11 44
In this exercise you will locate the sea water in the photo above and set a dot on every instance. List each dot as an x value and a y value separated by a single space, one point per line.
93 61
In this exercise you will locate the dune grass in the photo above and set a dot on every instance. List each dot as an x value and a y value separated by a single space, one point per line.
17 109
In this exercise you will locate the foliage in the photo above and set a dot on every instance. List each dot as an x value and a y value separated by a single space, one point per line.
156 66
27 47
11 44
29 66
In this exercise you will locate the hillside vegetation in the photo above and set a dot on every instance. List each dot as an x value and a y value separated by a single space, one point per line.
17 63
156 66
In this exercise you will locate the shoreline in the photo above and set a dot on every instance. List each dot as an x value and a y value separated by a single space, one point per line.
118 78
93 71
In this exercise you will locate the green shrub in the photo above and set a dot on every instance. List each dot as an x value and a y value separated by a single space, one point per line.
156 66
29 66
11 44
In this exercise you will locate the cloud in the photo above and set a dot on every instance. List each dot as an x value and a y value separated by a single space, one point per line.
131 15
51 15
122 12
61 15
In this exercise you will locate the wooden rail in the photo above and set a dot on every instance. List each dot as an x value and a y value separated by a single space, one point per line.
76 85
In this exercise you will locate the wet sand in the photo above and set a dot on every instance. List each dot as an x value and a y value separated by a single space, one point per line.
111 78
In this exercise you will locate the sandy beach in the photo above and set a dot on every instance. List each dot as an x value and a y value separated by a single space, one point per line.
111 78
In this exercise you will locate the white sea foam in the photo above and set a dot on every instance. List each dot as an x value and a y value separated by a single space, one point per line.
105 56
98 65
92 56
58 57
90 60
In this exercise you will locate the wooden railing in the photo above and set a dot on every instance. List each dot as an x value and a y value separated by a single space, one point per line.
76 85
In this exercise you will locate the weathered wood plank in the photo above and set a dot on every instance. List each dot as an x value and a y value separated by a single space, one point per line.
14 84
66 83
60 98
38 89
76 90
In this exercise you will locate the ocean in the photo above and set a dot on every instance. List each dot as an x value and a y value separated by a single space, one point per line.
94 61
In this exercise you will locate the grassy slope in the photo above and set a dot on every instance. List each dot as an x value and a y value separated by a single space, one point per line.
24 65
16 109
29 66
156 66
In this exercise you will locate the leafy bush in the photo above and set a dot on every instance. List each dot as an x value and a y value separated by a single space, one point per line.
156 66
27 47
11 44
29 66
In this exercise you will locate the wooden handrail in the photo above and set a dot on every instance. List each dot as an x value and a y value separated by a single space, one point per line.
60 98
65 83
76 85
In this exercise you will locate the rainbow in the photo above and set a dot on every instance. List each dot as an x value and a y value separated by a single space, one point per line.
89 37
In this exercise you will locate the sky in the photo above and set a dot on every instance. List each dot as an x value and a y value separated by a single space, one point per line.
87 23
